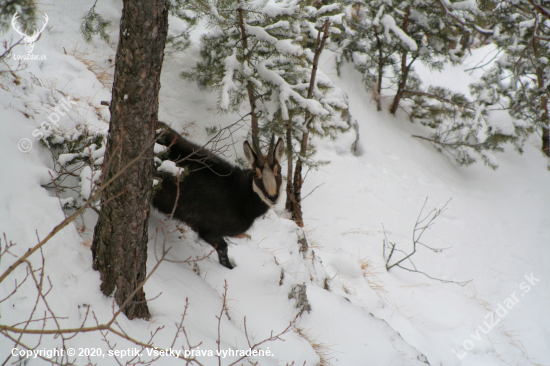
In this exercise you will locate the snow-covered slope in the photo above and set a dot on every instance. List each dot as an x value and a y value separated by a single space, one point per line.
496 225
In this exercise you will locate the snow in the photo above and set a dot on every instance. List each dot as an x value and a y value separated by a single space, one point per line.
170 167
496 226
88 179
99 153
280 24
376 21
287 92
284 46
525 25
158 148
231 65
389 24
328 8
469 5
279 8
500 121
66 158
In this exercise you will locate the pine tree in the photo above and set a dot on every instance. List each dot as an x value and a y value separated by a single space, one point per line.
260 54
26 10
520 79
387 37
92 24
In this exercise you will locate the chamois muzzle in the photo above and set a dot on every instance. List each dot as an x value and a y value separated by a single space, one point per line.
273 198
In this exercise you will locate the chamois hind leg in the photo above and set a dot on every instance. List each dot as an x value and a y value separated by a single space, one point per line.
242 236
220 245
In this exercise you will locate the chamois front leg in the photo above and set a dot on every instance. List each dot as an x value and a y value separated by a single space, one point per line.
220 245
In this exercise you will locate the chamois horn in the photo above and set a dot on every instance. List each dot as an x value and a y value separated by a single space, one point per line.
259 155
270 152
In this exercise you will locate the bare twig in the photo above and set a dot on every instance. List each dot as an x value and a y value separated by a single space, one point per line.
421 225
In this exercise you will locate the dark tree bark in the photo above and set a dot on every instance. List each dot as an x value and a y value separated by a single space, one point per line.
404 71
120 238
545 120
546 141
381 64
294 194
289 206
249 85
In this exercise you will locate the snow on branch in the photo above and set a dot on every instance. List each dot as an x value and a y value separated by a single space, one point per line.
231 64
274 10
284 46
389 24
327 9
469 5
286 91
280 24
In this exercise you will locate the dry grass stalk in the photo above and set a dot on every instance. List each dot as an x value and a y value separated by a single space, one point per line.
371 275
103 74
321 349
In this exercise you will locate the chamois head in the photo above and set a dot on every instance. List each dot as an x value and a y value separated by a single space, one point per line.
267 180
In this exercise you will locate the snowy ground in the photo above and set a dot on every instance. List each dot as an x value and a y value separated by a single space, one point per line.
496 225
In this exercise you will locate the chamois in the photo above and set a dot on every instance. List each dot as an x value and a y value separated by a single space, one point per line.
217 199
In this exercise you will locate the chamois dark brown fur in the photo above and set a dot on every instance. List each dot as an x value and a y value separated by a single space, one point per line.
216 198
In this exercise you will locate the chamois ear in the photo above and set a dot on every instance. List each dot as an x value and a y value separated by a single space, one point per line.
249 154
279 151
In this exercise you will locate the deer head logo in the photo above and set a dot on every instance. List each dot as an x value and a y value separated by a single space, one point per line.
29 40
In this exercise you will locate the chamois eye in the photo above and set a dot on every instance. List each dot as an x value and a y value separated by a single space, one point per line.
279 171
255 175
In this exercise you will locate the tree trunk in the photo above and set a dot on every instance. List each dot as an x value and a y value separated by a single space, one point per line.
381 64
545 127
296 192
120 239
404 71
546 141
545 121
249 85
289 158
544 106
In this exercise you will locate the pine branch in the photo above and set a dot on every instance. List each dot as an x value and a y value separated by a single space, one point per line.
475 26
540 9
434 96
451 144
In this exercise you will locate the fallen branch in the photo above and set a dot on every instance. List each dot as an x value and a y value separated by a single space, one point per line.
422 224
